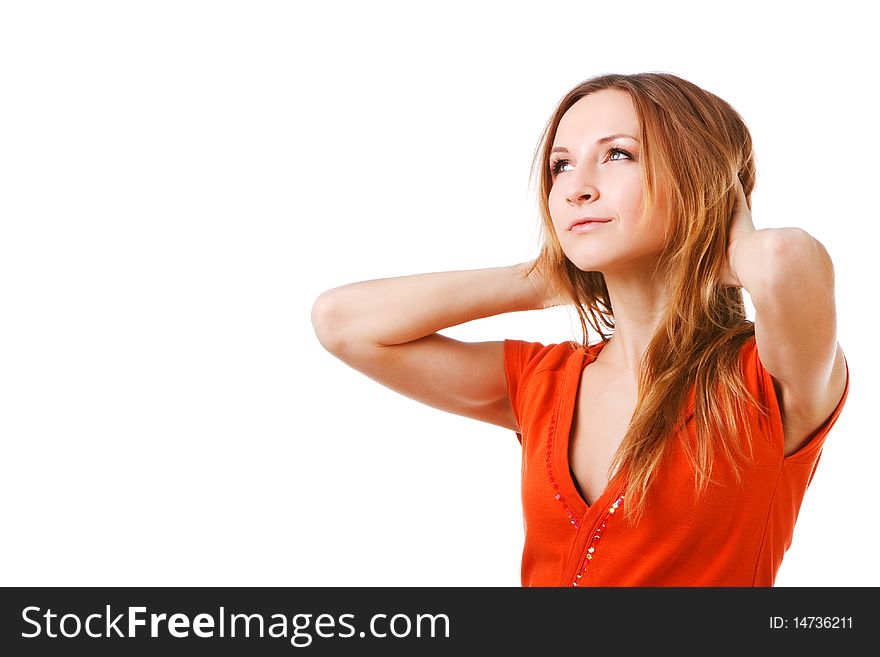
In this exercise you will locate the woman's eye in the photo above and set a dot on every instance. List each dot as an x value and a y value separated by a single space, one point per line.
556 164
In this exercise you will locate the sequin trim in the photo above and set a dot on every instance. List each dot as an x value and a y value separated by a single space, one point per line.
551 432
594 543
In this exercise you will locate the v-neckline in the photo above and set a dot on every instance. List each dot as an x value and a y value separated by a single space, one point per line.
565 412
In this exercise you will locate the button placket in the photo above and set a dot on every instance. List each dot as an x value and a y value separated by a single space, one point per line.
594 542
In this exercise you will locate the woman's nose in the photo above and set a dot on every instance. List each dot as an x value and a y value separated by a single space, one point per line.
581 192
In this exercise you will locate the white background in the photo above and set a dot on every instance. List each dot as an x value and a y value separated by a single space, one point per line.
179 181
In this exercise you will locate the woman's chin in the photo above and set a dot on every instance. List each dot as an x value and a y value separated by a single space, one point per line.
590 264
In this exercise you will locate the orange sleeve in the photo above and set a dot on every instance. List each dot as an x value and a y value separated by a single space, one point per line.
760 381
520 359
809 453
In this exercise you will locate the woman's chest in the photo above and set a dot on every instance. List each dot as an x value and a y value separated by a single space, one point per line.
602 414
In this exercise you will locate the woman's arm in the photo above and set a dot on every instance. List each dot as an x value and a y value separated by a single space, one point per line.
392 311
387 329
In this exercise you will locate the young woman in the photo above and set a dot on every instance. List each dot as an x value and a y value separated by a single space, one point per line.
675 451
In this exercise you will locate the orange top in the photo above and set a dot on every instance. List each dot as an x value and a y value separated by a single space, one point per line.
732 537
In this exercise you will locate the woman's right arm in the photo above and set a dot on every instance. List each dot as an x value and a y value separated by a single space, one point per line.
387 329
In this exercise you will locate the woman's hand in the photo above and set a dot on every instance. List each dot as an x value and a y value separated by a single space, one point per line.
740 226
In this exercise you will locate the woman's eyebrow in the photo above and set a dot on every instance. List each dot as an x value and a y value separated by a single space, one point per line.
562 149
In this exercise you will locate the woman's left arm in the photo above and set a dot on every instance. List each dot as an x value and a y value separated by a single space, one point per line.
790 278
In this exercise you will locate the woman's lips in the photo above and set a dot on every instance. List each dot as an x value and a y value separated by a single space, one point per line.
587 226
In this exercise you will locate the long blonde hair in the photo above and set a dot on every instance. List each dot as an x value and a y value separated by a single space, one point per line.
693 143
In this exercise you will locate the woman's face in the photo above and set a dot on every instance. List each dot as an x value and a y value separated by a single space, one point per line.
591 179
